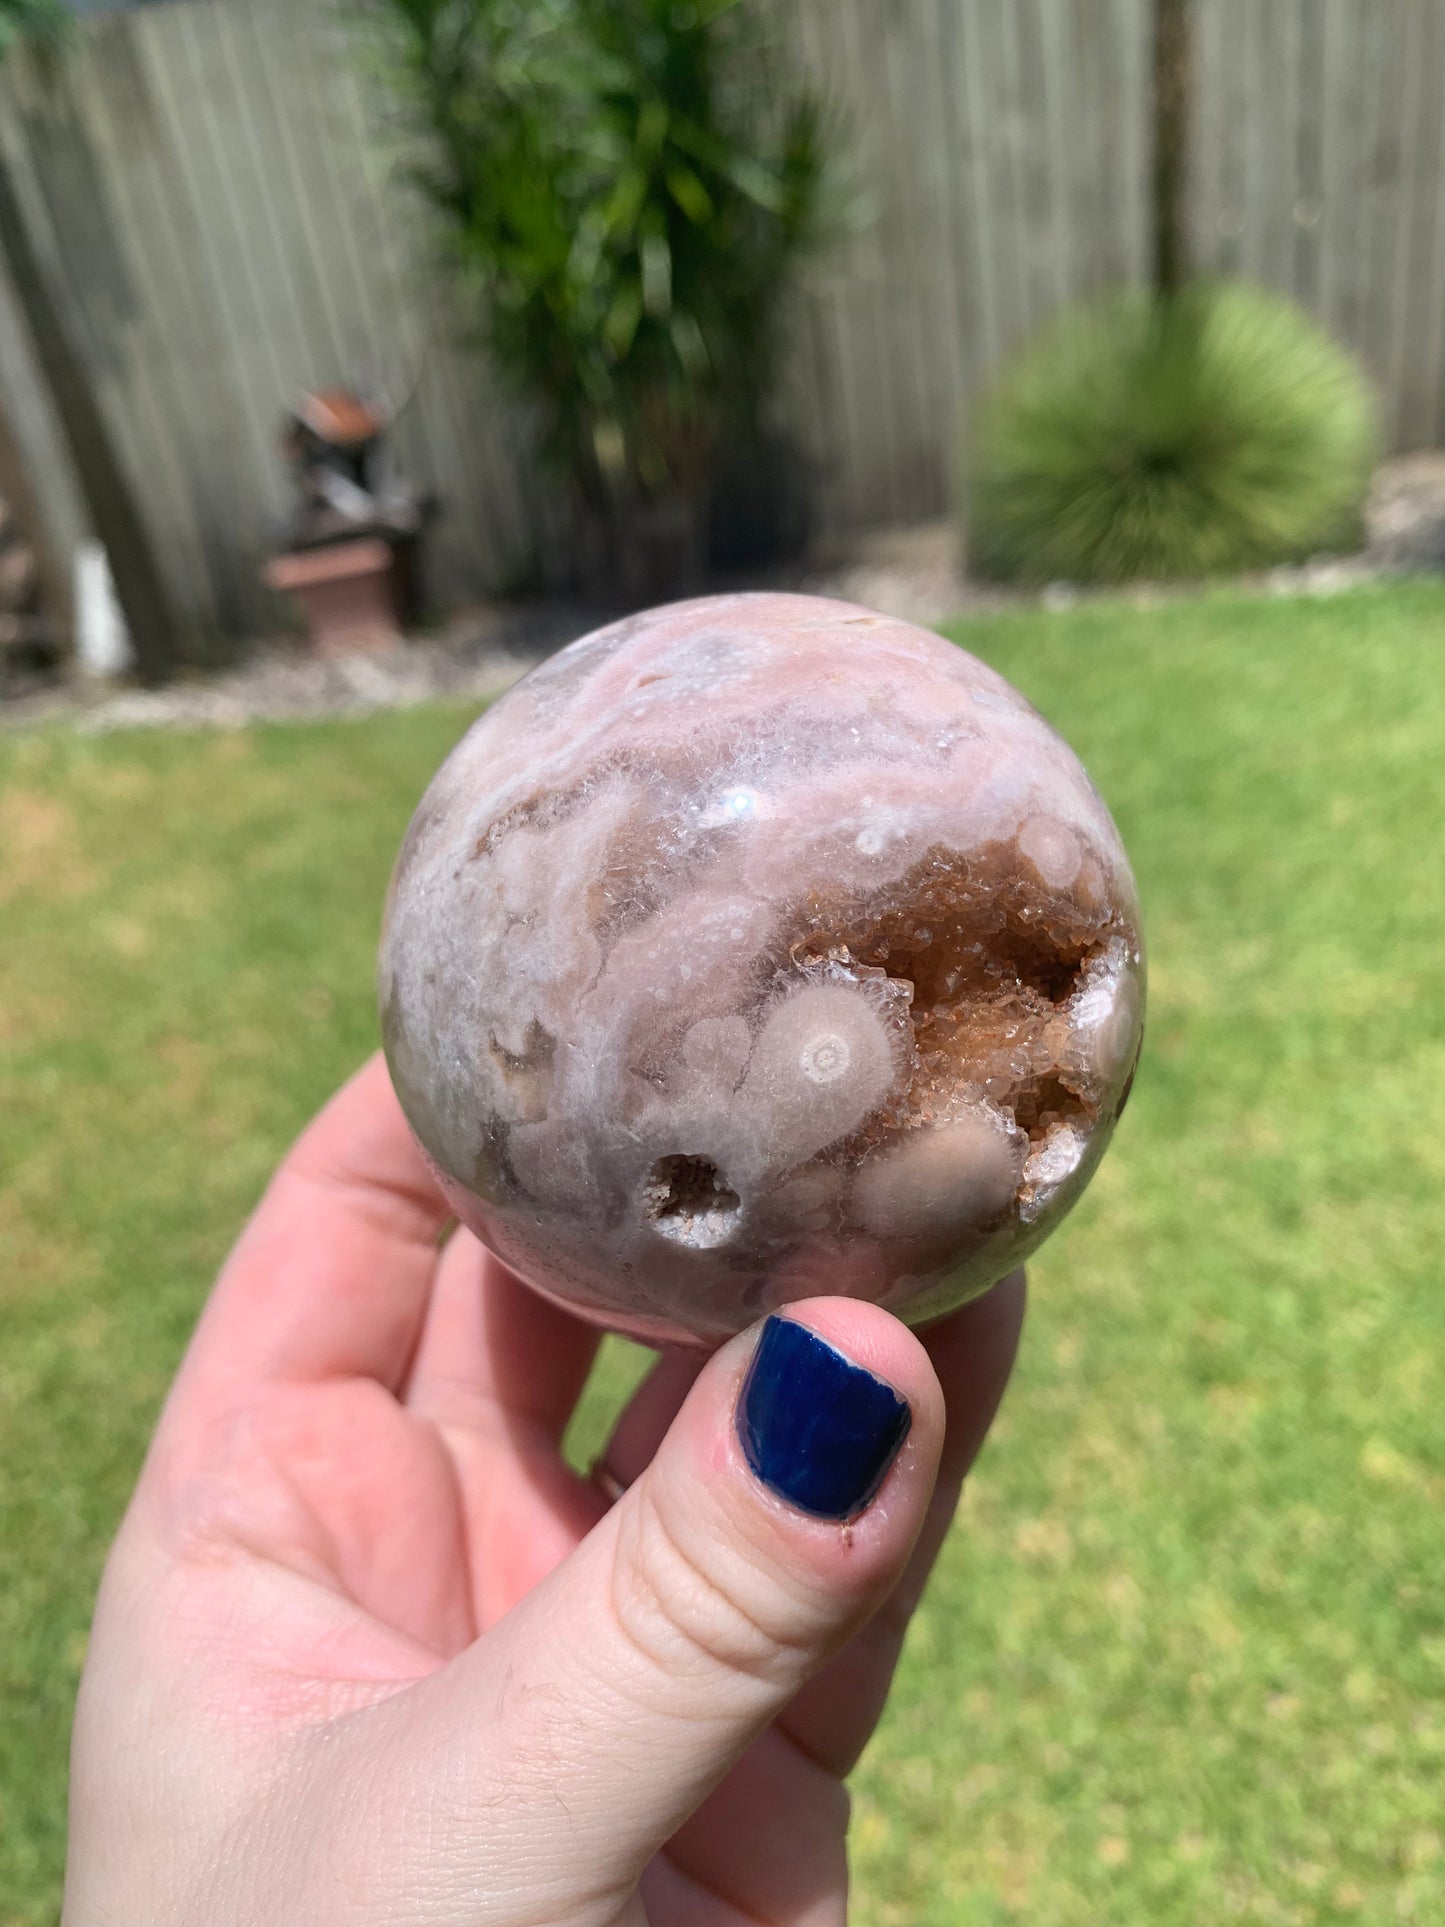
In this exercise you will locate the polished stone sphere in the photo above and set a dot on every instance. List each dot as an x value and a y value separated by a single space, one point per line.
758 947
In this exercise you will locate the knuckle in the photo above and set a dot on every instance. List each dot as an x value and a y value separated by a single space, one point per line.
689 1611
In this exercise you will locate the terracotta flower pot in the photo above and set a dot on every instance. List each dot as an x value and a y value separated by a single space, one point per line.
350 594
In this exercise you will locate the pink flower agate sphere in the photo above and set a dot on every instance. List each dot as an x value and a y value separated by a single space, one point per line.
760 947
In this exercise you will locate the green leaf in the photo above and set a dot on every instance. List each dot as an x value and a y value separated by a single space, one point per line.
761 185
652 129
656 272
623 319
691 346
689 193
625 204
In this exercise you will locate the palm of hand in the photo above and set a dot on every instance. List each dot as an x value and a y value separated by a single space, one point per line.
414 1516
359 1475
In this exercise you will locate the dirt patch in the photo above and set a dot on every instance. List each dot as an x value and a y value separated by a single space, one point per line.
40 848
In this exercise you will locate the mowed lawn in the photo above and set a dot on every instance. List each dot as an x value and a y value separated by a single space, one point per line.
1184 1661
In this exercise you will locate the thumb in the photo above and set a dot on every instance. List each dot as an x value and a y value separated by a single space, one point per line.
777 1514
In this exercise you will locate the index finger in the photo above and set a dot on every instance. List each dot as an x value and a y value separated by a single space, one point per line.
331 1277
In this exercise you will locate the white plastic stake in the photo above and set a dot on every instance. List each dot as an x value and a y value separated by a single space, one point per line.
102 641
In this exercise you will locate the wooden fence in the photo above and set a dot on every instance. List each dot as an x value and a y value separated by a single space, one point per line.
211 194
1319 167
212 197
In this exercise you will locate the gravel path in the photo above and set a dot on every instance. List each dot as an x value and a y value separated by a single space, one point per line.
914 572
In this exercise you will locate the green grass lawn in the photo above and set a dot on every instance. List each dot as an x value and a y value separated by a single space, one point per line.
1184 1661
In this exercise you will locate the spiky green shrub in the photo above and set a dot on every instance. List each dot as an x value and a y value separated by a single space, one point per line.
1139 437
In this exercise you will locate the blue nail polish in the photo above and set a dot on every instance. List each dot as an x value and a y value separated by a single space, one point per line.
815 1427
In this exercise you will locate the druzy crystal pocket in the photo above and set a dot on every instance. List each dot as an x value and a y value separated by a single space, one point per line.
759 947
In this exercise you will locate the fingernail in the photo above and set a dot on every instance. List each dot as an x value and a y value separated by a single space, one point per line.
817 1429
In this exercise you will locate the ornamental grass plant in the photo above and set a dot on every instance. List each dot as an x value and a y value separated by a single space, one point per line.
1142 437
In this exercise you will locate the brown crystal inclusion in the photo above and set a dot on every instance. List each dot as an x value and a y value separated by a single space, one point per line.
992 959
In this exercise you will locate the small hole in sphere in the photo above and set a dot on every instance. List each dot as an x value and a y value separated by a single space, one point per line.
688 1200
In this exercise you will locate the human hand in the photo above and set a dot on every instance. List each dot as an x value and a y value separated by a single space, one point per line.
367 1652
